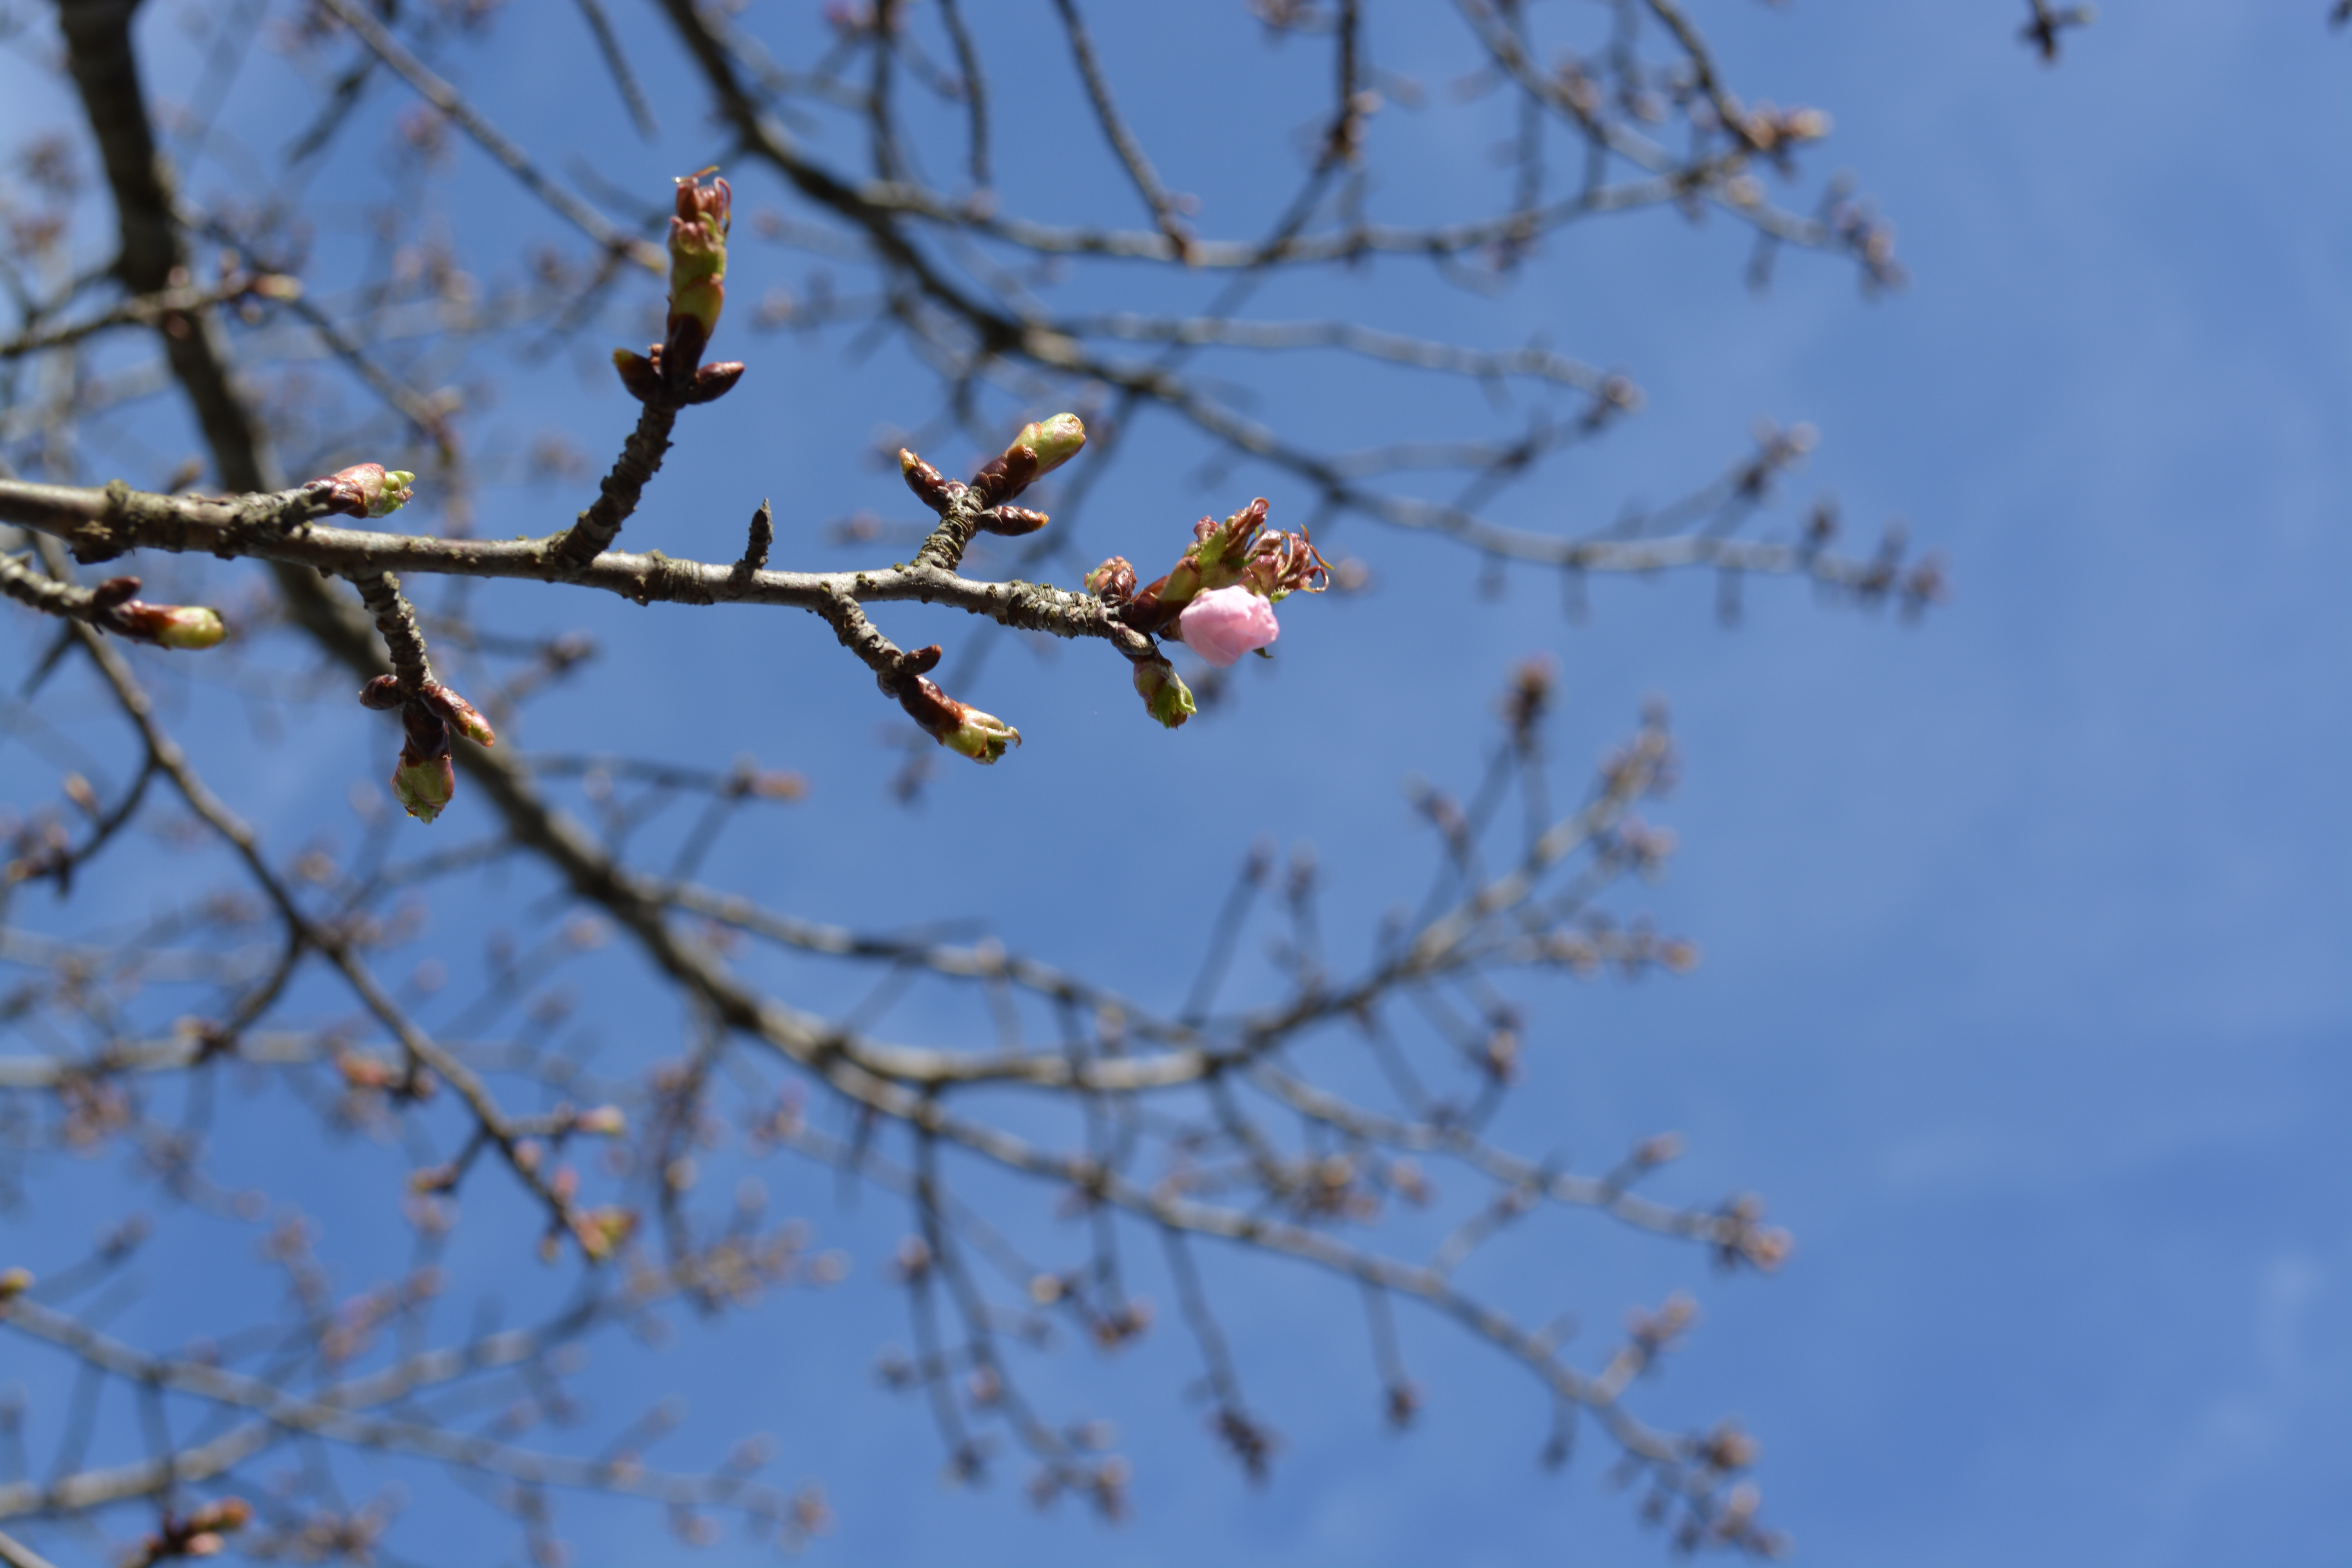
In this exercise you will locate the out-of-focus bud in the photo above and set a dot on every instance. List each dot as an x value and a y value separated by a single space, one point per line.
1113 580
641 376
603 1120
601 1231
1013 521
13 1282
460 713
424 785
933 488
188 626
1163 692
368 489
713 382
168 625
1223 624
228 1513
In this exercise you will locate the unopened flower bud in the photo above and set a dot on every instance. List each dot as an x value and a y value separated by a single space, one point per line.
368 489
697 272
1113 580
190 626
1163 692
460 713
1223 624
382 694
13 1282
1055 441
424 785
1039 449
167 625
603 1120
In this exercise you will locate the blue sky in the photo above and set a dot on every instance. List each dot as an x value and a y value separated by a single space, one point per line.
2025 997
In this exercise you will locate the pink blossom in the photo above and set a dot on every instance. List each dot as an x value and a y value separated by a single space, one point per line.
1223 624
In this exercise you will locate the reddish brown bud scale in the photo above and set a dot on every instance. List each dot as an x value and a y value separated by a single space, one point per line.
713 382
1013 521
460 713
1006 474
1114 580
640 375
933 488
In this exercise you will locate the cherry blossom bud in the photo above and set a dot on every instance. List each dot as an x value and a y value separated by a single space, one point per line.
1055 441
1039 449
367 489
1163 692
382 694
604 1121
460 713
424 785
1223 624
697 273
1113 580
167 625
13 1282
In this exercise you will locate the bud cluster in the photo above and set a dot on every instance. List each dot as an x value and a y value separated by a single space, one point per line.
1042 446
1239 552
672 370
424 780
1218 600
